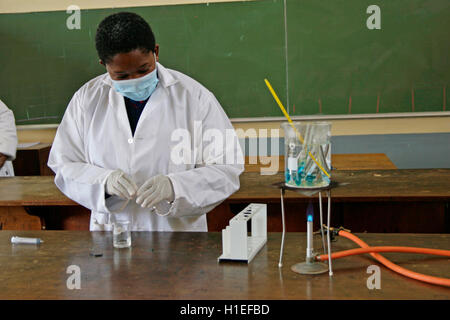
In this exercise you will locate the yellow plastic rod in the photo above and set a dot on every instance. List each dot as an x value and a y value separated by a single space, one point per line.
292 124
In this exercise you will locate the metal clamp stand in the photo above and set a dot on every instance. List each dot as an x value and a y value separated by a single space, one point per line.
310 266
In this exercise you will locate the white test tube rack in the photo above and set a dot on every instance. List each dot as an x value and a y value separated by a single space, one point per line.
236 243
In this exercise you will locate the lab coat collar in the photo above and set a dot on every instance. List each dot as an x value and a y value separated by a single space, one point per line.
164 76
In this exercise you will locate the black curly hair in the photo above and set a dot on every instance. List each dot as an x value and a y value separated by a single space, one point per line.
121 33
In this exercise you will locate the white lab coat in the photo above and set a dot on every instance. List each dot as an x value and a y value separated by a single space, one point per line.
94 138
8 139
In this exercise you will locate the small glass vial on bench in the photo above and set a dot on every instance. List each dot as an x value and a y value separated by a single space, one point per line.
121 234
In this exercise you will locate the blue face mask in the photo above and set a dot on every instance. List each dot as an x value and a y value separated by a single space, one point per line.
137 89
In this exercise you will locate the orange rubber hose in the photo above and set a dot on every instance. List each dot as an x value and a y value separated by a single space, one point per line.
353 252
403 271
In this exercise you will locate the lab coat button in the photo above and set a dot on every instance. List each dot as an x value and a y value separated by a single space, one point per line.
130 141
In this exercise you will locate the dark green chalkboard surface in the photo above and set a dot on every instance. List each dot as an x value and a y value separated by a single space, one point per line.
335 64
335 58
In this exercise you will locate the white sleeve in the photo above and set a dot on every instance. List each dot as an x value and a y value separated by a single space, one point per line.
80 181
8 134
216 174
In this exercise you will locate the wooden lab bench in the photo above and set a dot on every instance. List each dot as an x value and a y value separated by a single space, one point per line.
183 265
347 161
365 200
386 201
33 203
30 203
373 201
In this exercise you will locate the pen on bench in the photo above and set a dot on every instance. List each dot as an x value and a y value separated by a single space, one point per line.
26 240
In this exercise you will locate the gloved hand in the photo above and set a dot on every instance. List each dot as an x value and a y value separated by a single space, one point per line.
155 190
120 184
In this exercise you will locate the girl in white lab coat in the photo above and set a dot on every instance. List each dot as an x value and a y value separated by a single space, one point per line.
8 141
117 148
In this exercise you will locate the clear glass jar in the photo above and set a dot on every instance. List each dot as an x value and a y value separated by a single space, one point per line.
121 234
307 150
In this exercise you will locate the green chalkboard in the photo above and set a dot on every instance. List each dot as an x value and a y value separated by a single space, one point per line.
229 48
338 66
330 58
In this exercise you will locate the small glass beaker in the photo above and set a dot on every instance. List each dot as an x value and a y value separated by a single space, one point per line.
307 149
121 234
